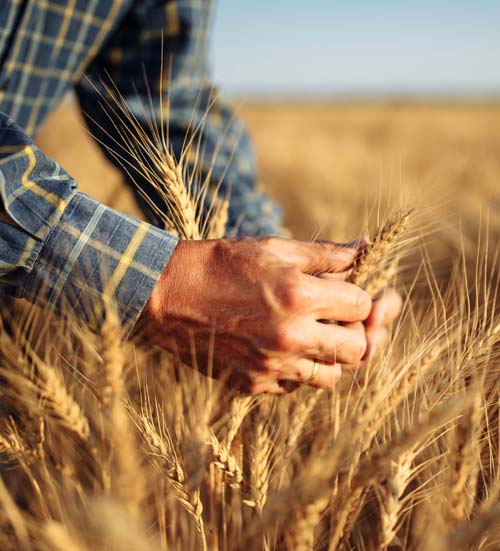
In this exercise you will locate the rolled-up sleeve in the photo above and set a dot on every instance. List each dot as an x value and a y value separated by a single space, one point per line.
64 251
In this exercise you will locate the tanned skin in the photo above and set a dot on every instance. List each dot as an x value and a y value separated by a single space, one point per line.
254 309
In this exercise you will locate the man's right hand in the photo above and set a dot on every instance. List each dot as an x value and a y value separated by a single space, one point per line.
250 310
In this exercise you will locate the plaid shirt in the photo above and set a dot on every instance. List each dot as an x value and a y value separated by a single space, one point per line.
58 247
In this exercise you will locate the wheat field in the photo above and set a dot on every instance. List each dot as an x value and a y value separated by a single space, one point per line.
330 164
115 445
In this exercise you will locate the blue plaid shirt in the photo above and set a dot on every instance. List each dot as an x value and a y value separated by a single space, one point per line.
60 248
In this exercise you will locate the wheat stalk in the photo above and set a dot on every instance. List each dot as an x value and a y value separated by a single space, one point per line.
124 470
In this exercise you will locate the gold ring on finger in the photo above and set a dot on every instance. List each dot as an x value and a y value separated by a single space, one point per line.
314 372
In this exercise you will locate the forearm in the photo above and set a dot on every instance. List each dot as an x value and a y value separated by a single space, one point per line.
64 251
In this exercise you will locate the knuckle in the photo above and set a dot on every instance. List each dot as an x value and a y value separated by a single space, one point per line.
287 371
282 340
291 291
267 365
297 374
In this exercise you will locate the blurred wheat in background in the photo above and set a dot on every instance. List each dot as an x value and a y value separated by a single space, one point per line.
109 444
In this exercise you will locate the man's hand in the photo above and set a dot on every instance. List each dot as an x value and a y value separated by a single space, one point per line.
251 310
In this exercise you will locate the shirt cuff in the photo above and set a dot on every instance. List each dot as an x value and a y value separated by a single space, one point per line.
96 258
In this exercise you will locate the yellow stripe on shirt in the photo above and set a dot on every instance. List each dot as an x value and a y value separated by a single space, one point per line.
33 187
124 263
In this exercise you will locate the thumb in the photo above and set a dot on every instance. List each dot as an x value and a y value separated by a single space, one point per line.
318 257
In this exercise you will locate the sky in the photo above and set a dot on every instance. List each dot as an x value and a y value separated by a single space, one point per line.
365 47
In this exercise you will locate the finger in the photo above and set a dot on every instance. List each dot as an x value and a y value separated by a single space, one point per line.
327 376
316 257
338 344
311 372
376 338
386 308
337 300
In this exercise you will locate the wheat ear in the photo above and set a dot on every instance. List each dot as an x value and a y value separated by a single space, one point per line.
390 497
183 216
218 219
47 394
374 253
402 388
260 466
383 279
240 406
462 463
153 160
111 351
378 465
301 535
161 454
15 446
225 461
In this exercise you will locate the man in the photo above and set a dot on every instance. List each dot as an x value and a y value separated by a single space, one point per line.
255 302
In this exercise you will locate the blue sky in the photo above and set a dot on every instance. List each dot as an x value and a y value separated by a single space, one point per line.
355 46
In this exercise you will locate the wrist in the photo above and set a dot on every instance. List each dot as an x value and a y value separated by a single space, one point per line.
179 288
